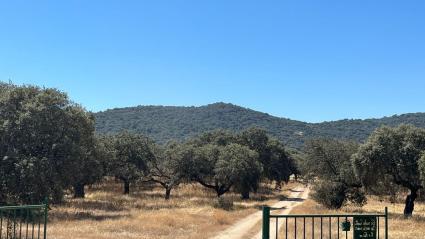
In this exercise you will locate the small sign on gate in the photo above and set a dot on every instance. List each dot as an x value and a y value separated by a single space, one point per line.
364 227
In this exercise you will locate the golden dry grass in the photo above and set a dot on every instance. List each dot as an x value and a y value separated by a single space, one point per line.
399 227
190 213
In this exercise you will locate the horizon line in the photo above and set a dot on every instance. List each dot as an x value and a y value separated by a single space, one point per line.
247 108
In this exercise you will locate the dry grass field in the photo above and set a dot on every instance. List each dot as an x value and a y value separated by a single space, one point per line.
190 213
399 227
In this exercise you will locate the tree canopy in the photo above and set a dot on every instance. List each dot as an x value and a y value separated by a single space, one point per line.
224 160
44 140
131 154
328 163
392 154
170 166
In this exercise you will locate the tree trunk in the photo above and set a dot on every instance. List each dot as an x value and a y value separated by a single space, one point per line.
79 191
410 203
167 193
278 185
126 186
245 194
221 190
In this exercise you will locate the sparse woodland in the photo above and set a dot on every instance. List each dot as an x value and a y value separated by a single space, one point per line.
49 149
49 146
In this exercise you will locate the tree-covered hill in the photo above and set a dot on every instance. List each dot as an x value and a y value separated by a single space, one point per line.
164 123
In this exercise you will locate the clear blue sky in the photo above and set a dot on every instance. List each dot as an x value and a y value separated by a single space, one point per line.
306 60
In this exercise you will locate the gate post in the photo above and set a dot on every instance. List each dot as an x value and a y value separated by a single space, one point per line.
386 222
266 222
46 211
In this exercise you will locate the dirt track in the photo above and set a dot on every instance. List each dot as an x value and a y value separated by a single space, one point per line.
240 228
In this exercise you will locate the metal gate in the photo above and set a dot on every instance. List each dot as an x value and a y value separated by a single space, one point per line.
24 222
341 226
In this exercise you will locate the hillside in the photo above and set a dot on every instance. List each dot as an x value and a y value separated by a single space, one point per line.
164 123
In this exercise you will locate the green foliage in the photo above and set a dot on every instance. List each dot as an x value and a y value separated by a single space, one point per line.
89 166
328 163
217 137
48 145
392 154
258 140
170 166
330 159
220 163
130 157
204 171
330 194
238 165
280 165
223 160
422 168
296 160
45 141
356 196
334 195
163 123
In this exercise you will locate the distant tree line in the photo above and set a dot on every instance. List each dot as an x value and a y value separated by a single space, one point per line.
48 147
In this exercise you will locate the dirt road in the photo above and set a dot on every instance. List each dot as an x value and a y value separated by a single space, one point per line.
240 228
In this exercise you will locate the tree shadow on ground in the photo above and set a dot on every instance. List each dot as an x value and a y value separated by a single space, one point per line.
109 200
294 200
416 218
260 206
94 205
66 216
295 191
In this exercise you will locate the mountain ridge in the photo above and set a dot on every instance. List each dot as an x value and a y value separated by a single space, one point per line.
164 123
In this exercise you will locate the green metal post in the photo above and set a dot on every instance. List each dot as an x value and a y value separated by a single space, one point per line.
266 222
386 222
46 208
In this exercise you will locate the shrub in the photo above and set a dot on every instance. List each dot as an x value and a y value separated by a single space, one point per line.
357 197
330 194
335 195
224 203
